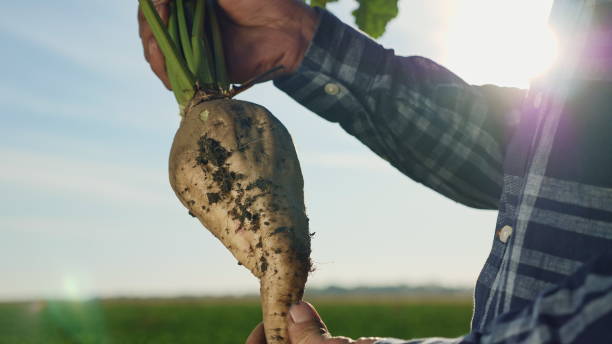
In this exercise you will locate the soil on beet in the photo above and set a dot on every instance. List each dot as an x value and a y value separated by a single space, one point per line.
240 195
211 152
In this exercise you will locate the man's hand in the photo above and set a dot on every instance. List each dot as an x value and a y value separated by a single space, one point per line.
306 327
257 36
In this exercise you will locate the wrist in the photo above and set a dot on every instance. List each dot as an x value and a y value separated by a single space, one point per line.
303 24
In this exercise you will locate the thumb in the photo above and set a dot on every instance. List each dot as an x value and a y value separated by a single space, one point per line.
305 325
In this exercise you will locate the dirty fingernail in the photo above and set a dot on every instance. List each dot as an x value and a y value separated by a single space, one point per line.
300 313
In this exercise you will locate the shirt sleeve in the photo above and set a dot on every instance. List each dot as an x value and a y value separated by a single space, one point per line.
414 113
577 311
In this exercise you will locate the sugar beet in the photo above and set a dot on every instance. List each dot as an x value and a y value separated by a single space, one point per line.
234 166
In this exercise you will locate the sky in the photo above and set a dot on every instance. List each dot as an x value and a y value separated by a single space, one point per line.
86 208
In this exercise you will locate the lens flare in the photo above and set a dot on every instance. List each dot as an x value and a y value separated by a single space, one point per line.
505 43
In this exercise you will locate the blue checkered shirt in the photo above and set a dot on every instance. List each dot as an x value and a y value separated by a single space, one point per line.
542 158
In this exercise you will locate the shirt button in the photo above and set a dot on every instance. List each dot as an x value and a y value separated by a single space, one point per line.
332 89
505 233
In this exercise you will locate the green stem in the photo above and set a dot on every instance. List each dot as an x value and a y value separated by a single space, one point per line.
220 66
171 67
176 64
192 45
203 68
208 57
184 35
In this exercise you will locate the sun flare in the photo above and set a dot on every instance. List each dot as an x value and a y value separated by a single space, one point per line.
504 43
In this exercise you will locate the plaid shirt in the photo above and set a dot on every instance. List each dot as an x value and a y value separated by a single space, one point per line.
543 158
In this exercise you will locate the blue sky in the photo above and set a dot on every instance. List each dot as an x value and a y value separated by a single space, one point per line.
85 130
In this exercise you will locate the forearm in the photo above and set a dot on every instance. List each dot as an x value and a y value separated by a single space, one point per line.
415 114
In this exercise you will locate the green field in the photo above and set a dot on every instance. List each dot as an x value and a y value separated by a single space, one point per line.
220 321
